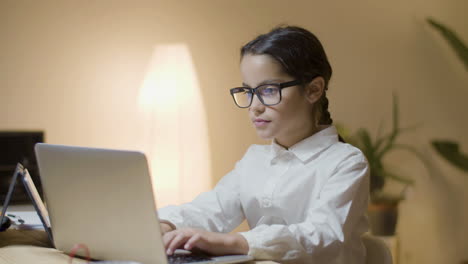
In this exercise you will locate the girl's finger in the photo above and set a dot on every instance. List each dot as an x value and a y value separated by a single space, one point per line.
176 243
168 237
192 242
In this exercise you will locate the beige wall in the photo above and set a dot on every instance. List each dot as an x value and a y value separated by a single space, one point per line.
73 68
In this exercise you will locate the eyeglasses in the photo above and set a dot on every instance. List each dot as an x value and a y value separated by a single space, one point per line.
268 94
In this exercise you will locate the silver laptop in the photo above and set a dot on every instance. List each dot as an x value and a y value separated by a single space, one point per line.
104 199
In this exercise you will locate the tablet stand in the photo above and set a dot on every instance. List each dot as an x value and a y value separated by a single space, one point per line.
31 190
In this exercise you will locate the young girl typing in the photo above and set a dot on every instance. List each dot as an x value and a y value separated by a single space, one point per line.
305 195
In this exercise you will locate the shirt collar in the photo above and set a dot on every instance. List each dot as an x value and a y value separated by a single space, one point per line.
308 147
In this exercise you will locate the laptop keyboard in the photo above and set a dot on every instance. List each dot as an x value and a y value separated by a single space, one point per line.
183 258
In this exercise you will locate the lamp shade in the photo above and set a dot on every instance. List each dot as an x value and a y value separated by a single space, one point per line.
175 128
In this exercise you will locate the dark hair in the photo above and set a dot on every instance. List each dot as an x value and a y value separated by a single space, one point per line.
302 56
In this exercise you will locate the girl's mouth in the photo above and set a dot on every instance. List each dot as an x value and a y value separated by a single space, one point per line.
261 122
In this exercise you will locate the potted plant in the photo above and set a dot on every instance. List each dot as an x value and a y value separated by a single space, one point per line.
450 149
383 206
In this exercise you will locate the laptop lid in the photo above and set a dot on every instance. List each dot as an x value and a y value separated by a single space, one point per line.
101 198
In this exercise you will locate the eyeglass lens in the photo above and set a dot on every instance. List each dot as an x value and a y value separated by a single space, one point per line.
269 94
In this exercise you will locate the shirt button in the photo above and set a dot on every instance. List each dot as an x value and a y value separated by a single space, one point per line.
266 202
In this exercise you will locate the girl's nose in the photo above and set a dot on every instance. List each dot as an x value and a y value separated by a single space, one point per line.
257 106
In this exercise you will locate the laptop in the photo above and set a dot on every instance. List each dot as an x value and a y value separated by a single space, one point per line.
104 199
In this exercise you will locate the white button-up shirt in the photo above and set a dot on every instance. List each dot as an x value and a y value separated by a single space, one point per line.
305 204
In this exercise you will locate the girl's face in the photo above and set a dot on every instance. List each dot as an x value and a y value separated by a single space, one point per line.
291 120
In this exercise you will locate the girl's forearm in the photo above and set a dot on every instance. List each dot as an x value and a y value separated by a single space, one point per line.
239 244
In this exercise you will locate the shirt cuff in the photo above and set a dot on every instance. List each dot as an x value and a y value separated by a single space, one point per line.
169 214
252 241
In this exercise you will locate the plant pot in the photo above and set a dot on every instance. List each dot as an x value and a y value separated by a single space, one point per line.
383 218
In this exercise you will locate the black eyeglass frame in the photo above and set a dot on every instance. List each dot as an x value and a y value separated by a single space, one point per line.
254 91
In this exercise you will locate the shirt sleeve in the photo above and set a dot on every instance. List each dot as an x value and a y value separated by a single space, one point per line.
330 220
218 210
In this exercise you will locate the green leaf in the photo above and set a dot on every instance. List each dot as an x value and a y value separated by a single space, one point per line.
379 133
396 116
390 139
344 133
398 178
450 150
365 143
383 139
452 38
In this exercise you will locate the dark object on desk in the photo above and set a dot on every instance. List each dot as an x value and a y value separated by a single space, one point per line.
22 174
18 170
18 146
6 223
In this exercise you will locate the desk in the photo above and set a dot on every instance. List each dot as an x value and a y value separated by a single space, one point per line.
36 238
32 246
38 255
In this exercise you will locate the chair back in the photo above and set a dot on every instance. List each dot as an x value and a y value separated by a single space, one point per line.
377 250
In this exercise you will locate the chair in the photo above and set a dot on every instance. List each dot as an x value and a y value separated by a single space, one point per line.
377 250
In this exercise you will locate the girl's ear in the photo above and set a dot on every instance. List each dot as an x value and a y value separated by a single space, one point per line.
314 89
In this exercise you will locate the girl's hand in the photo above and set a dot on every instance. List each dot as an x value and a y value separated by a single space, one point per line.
209 242
165 228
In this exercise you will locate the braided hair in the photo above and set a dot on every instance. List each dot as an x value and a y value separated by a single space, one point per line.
301 55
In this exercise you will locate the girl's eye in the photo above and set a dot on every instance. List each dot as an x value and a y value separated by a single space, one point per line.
269 90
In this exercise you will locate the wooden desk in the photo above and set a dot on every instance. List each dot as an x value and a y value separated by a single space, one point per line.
36 238
32 246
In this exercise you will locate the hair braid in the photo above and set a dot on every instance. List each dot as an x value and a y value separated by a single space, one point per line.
325 117
324 114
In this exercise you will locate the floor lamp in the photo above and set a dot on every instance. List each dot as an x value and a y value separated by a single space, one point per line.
175 127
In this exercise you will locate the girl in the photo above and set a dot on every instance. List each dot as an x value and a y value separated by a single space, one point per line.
305 195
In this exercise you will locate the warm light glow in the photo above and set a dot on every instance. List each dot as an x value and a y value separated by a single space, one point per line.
176 128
